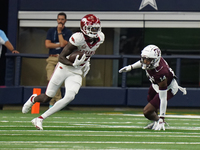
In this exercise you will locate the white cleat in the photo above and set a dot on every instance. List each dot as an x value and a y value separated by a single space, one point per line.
27 106
37 122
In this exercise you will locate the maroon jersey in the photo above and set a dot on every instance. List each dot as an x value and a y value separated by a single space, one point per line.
160 73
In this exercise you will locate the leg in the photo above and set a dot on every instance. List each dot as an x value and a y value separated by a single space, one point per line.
42 98
72 86
55 98
51 63
53 85
150 110
34 98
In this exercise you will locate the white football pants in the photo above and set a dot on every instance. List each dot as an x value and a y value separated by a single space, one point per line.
72 82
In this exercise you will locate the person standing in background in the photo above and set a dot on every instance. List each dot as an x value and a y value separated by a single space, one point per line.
57 38
4 41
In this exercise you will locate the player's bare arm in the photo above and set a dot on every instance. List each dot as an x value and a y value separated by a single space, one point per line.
67 50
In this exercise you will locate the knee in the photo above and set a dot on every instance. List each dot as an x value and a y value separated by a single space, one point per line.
147 111
69 96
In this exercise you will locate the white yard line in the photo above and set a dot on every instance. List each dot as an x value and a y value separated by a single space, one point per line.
167 116
99 135
95 142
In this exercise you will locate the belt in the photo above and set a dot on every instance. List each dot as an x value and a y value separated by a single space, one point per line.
54 55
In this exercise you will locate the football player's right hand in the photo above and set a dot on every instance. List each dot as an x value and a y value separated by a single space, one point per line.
78 62
86 68
125 69
159 125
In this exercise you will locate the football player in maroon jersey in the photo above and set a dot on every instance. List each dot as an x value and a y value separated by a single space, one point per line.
163 87
87 41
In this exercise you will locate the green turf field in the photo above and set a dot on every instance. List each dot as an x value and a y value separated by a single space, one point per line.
90 130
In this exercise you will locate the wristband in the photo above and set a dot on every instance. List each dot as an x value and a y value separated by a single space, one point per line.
59 33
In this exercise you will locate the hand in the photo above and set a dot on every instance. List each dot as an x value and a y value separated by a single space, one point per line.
78 62
125 69
15 52
59 27
86 68
159 125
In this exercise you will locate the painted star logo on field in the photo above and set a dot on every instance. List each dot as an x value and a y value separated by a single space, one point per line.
144 3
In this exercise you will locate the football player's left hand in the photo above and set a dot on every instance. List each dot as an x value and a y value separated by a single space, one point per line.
86 68
78 62
125 69
159 125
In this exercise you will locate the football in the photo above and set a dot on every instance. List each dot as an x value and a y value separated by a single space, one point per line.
73 55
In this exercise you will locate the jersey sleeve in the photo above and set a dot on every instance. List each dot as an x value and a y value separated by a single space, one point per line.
77 39
3 37
68 35
49 34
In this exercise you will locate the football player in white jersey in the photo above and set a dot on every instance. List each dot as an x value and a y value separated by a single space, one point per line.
70 73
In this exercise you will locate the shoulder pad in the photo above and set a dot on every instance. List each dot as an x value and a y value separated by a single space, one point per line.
77 39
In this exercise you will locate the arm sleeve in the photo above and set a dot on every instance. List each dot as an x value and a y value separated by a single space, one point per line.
163 102
77 39
3 37
136 65
49 35
69 34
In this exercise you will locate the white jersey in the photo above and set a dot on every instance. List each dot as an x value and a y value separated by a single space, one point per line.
80 41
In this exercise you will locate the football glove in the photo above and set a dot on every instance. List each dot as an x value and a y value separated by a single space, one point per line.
78 62
125 69
159 125
86 68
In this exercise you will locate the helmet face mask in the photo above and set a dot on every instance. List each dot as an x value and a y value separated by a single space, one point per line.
90 25
150 57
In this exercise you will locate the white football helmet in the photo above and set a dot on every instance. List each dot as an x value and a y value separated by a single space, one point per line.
90 25
151 53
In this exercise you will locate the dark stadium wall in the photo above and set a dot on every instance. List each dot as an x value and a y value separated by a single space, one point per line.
106 5
103 96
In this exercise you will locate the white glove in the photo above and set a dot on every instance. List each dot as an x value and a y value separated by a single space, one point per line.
78 62
86 68
125 69
159 125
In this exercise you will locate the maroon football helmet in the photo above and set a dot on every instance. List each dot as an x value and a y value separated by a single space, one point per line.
90 25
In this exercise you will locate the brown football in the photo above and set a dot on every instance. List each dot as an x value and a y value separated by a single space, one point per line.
73 55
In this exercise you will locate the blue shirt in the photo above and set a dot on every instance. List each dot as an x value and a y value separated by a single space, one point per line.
3 40
52 35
